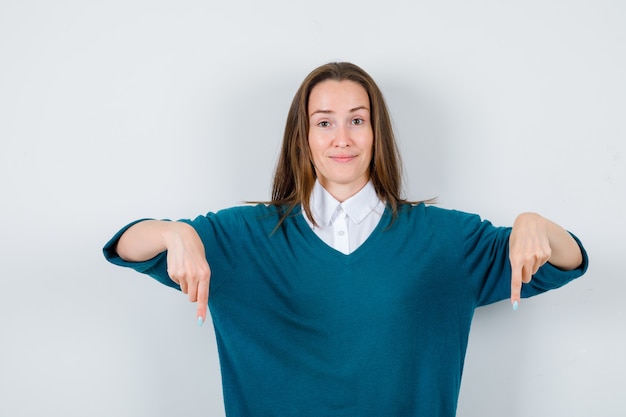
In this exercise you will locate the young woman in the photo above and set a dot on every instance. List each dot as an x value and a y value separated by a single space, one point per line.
339 297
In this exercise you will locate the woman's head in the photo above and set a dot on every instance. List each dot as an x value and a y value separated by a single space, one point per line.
296 173
341 138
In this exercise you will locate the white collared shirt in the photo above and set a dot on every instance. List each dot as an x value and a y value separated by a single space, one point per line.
345 226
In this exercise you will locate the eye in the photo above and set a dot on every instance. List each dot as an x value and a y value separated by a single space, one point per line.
324 123
358 121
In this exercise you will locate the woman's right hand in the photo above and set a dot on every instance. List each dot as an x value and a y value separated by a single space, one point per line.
187 265
186 259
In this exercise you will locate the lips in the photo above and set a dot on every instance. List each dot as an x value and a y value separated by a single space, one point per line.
343 158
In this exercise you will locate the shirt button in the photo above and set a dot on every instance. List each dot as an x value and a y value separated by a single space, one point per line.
340 209
341 233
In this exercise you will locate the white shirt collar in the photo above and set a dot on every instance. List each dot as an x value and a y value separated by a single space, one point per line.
325 207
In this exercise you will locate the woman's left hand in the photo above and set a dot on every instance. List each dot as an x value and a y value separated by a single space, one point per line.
534 241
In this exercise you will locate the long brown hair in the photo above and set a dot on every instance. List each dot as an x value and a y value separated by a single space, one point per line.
295 175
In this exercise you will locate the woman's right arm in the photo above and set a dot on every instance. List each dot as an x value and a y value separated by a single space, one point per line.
145 240
186 257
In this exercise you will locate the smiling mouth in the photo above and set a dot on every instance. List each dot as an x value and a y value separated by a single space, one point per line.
343 158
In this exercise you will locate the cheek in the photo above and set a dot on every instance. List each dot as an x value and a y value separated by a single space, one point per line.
369 145
313 150
317 144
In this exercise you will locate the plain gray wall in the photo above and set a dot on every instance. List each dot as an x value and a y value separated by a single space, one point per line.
111 111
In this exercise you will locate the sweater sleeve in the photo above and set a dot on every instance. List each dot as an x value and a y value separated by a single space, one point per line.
486 259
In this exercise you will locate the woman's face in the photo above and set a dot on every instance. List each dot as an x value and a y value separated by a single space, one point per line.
340 136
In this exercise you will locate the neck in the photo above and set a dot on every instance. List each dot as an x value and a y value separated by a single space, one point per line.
343 192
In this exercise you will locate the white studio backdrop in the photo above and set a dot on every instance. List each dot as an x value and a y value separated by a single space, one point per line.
112 111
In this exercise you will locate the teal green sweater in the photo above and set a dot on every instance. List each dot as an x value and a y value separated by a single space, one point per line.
304 330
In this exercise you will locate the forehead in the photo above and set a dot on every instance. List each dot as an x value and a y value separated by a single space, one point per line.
338 95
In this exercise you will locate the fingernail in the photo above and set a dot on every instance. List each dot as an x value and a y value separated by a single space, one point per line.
200 321
515 305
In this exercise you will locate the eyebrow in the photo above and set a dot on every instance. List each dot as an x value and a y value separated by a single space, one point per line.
330 111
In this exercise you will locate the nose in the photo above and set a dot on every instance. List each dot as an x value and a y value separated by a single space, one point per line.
342 137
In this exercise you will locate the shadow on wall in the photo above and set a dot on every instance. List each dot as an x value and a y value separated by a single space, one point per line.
420 132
